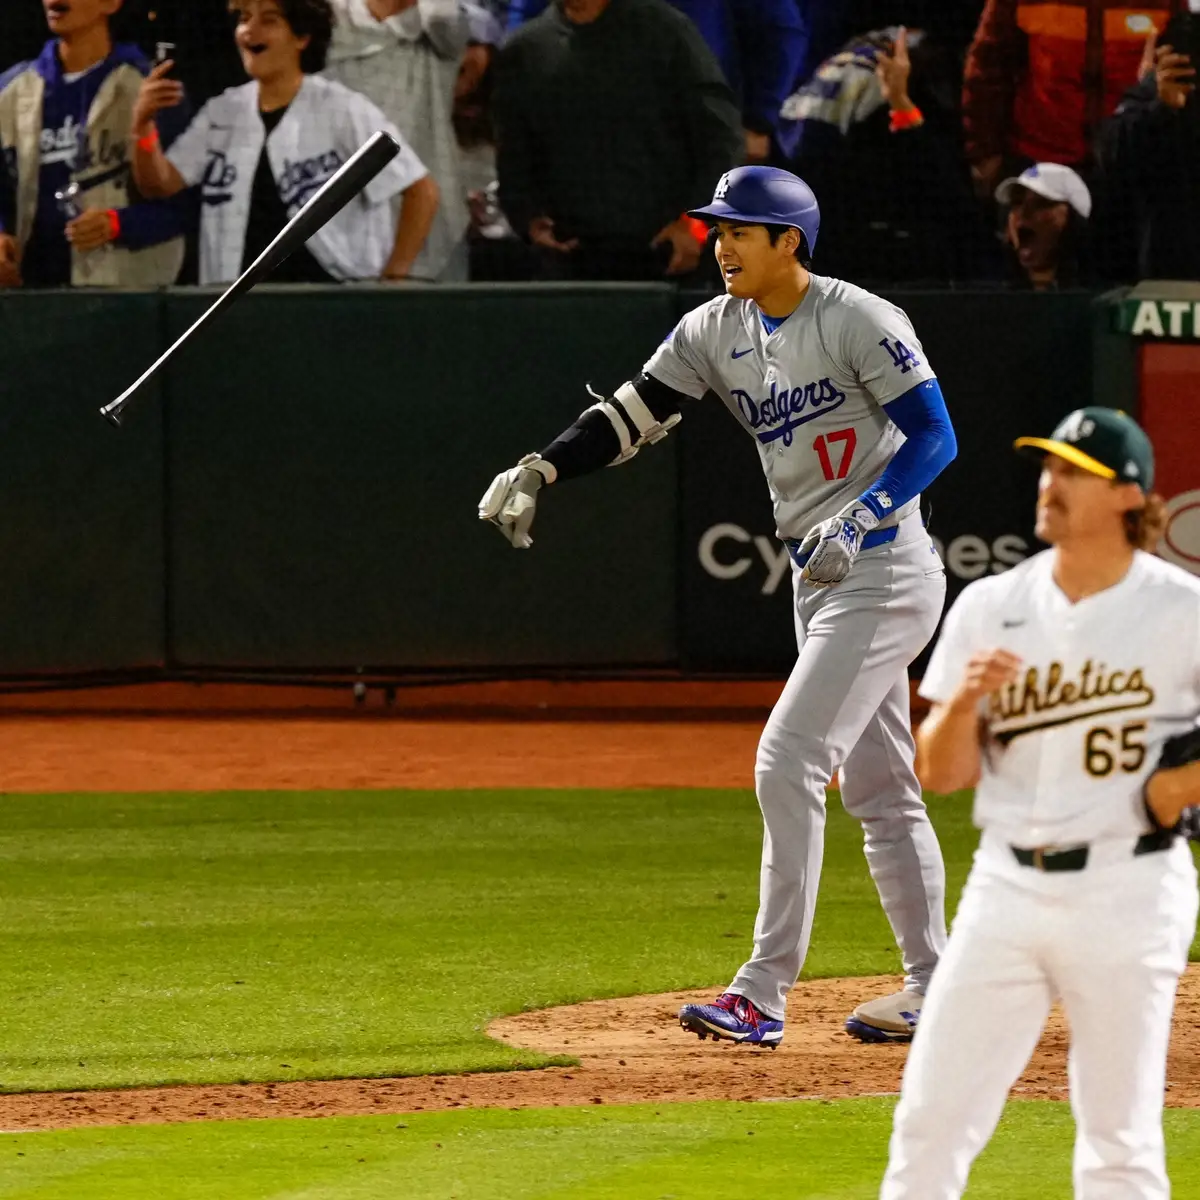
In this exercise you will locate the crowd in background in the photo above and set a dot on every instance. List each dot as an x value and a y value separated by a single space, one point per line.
1026 143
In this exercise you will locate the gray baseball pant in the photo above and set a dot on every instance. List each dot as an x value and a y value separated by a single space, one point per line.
846 706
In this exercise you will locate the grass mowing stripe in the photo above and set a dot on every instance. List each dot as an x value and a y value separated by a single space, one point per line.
258 936
809 1149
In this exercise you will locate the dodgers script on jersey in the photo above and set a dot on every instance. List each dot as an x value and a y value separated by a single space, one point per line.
323 127
1074 739
812 394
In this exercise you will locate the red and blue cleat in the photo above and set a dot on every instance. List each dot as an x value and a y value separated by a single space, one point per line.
732 1017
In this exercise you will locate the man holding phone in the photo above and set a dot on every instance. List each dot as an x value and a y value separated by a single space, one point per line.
69 213
1149 151
257 153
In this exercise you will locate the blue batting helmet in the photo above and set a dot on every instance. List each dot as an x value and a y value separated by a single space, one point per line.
764 196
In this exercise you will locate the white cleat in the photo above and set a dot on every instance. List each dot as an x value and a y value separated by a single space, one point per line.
886 1019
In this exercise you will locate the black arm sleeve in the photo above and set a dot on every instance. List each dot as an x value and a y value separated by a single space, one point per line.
592 443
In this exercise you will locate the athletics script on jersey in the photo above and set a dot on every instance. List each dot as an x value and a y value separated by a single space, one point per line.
1042 700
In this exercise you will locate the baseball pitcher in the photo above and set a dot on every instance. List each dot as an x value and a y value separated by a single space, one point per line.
850 425
1068 689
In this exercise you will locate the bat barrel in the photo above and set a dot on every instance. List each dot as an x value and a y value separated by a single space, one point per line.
338 191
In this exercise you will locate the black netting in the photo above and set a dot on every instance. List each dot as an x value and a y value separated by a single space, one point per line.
898 206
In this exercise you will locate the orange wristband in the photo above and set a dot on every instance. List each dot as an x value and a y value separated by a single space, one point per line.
114 223
149 142
905 119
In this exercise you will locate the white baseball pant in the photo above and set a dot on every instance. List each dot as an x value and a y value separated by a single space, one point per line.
1111 942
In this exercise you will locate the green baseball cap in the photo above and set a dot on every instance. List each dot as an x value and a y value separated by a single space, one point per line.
1105 441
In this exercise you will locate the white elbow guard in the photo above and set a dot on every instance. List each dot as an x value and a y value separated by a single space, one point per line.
626 403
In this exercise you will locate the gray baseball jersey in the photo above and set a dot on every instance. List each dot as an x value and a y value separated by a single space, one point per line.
812 393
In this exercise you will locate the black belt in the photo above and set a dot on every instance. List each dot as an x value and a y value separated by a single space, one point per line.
1076 859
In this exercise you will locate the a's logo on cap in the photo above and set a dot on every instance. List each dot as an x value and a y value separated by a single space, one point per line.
722 187
1131 469
1076 427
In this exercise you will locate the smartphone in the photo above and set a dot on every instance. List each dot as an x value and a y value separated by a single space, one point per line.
1182 34
164 51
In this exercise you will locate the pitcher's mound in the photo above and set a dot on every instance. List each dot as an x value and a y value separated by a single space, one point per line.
633 1049
630 1050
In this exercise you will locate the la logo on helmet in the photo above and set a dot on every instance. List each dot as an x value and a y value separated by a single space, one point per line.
722 187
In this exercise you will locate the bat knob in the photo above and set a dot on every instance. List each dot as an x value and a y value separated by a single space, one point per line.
111 417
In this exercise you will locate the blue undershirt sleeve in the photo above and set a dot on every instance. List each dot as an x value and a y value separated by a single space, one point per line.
920 414
151 222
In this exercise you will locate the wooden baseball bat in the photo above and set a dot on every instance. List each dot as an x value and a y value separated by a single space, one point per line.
333 196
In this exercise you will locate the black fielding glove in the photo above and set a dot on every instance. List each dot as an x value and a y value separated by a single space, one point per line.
1178 751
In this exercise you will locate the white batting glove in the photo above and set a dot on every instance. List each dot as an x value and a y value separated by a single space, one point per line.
511 502
833 545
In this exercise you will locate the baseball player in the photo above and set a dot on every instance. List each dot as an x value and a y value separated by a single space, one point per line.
850 425
1055 687
259 152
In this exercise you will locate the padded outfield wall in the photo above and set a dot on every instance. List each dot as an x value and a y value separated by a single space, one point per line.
298 492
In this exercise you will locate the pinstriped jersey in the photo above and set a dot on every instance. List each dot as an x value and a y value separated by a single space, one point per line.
322 128
813 393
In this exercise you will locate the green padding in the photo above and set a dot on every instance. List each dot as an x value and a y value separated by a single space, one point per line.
81 535
329 448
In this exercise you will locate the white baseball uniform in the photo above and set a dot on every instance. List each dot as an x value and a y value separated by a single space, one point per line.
813 394
324 125
1069 748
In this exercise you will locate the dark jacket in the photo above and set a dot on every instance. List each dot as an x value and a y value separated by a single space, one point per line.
1149 156
762 46
895 207
614 128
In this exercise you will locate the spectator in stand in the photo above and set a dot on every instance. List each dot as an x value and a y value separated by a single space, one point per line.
68 212
613 119
762 46
404 56
1048 206
1041 75
1151 146
496 253
258 153
472 111
875 133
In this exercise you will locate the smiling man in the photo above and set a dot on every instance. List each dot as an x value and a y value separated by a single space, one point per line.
68 214
850 426
260 151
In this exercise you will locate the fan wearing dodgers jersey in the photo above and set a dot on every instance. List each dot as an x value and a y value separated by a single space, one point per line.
257 153
850 426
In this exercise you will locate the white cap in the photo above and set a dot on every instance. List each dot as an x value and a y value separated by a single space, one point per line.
1055 182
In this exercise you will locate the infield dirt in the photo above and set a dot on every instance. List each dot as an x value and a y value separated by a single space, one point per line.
630 1050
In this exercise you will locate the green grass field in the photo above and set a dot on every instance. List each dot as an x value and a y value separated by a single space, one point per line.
262 936
800 1150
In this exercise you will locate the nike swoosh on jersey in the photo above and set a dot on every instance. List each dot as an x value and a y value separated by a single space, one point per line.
742 353
1012 624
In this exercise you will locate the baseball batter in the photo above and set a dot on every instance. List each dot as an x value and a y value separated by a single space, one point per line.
850 425
1056 686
